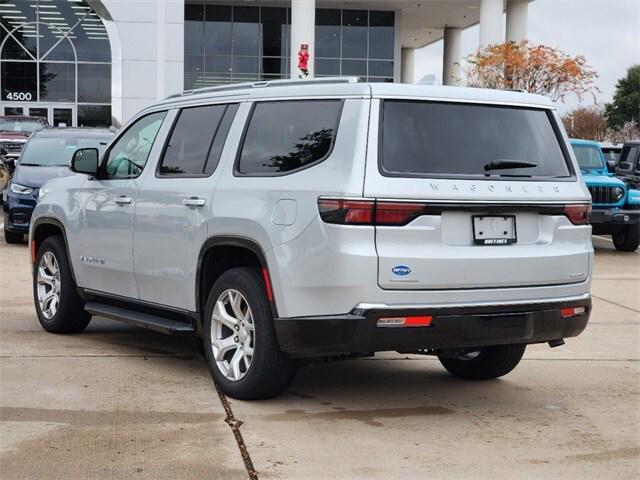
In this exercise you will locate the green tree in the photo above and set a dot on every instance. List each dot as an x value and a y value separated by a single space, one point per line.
625 106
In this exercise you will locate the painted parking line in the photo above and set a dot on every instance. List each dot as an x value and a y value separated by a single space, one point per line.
603 238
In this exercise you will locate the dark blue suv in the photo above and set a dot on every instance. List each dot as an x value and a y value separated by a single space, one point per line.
45 156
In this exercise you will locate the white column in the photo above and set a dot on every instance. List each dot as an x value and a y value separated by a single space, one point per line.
408 56
452 56
517 19
491 22
303 31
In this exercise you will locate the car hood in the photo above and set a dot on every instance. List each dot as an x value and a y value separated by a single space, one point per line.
37 176
602 180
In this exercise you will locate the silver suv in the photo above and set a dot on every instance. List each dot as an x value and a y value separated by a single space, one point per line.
322 218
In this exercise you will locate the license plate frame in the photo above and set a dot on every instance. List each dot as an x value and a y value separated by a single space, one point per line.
486 231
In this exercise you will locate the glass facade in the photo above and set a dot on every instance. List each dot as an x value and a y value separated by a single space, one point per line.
225 44
55 52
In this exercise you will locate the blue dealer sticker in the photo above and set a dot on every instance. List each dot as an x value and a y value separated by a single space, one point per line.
401 270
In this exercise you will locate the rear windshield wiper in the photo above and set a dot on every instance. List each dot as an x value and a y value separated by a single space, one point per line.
507 164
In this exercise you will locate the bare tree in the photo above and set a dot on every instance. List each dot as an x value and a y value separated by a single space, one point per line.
587 123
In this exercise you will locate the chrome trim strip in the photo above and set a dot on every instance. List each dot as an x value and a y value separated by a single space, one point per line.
408 306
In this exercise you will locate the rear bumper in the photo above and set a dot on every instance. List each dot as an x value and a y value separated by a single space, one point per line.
451 327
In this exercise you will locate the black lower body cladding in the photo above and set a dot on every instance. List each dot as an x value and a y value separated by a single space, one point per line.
450 328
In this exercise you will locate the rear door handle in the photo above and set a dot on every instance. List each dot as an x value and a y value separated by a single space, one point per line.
194 202
122 200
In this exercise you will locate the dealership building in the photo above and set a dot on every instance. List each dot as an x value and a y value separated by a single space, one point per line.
98 62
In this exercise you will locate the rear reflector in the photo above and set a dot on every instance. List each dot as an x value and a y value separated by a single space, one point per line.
578 214
572 312
418 321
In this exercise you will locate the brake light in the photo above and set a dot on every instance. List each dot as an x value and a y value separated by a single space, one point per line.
414 321
369 212
572 312
346 212
578 214
398 213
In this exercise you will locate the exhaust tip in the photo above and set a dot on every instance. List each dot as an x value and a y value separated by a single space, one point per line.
556 343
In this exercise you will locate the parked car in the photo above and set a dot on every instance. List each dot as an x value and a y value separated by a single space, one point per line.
611 154
616 210
15 131
327 217
628 166
46 156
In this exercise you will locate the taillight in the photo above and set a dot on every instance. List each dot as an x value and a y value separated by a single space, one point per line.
369 212
398 213
346 212
578 214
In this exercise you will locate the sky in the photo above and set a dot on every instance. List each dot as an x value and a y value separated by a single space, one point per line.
606 32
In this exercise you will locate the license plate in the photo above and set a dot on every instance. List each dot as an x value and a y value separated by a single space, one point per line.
494 229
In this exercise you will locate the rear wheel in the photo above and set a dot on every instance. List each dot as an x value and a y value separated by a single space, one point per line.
240 343
628 239
12 237
58 305
485 363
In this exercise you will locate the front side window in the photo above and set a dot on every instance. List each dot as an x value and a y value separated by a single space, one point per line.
129 154
627 158
431 139
196 142
285 136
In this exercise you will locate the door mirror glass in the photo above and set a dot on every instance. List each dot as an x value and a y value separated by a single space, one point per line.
85 160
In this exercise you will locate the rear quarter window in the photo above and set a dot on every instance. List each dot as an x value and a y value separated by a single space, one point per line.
450 140
286 136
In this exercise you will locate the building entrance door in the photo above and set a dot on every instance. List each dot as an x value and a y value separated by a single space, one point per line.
58 115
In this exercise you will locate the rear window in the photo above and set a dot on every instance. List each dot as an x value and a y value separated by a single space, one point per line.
431 139
285 136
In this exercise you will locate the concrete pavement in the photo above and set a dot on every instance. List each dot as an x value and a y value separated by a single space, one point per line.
121 402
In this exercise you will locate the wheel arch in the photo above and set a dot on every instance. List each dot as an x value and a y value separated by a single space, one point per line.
45 227
249 253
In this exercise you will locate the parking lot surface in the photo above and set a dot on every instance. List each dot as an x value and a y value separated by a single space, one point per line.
121 402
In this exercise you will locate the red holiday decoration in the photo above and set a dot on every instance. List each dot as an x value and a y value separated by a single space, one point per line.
303 59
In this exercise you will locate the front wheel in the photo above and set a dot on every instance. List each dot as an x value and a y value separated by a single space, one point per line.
628 239
240 343
484 363
58 305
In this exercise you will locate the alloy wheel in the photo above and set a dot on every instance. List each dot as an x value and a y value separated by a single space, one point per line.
232 334
48 279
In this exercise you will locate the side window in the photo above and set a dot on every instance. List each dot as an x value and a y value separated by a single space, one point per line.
197 139
129 154
284 136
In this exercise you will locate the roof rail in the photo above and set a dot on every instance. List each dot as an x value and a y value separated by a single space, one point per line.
266 83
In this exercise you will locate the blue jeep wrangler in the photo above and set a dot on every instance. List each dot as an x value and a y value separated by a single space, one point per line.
616 209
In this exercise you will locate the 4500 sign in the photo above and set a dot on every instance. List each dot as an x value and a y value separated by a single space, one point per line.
19 96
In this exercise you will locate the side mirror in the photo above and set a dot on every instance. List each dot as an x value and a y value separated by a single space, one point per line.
85 160
3 152
611 166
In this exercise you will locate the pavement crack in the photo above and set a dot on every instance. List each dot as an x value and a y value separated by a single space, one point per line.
235 425
615 303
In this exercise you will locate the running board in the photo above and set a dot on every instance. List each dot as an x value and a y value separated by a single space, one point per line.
139 319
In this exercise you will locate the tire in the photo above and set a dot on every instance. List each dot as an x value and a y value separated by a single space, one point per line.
269 371
12 237
68 315
485 364
628 239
